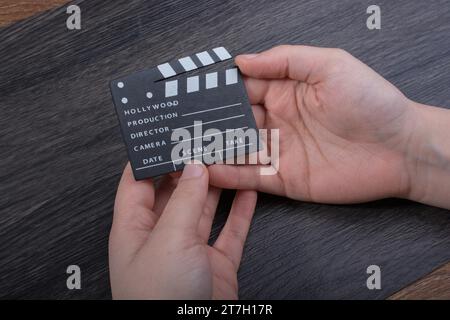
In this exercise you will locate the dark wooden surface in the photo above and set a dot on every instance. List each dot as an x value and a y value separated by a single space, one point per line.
62 154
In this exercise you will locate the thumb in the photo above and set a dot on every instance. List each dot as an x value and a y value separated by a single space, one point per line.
185 207
300 63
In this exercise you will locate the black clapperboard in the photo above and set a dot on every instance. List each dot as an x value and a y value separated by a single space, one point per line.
174 98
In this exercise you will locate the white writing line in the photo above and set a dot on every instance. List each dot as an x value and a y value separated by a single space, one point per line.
213 121
206 154
203 154
208 135
228 106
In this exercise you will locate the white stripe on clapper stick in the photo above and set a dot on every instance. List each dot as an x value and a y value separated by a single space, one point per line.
211 81
222 53
187 63
166 70
205 58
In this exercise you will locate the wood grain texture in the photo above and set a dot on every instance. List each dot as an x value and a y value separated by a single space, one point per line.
62 154
434 286
14 10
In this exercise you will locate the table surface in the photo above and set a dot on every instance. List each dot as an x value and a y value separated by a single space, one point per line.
434 285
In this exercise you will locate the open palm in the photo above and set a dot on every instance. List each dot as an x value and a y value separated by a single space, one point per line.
343 128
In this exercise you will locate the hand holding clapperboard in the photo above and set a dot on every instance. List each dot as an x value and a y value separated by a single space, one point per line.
165 114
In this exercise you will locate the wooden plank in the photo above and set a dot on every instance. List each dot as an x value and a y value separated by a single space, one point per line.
436 285
15 10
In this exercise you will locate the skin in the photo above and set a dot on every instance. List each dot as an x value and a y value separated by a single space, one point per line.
158 246
346 135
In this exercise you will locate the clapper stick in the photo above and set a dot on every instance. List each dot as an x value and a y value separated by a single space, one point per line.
190 63
168 116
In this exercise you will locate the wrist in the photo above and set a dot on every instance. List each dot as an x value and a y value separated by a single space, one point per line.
427 155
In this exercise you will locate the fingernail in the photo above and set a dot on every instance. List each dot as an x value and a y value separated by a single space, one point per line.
248 56
192 171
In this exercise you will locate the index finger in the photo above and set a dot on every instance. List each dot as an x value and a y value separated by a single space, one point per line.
302 63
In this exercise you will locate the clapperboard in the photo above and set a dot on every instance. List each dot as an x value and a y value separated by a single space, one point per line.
176 99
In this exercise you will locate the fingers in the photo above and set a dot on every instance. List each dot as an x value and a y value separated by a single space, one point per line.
232 238
209 211
133 216
132 193
256 89
260 115
300 63
185 207
134 202
245 177
163 192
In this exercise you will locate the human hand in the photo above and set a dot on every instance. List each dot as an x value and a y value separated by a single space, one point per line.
158 247
344 130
